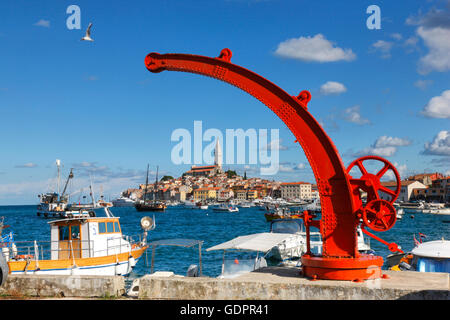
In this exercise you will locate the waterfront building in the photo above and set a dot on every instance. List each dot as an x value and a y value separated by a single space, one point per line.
252 194
208 193
241 194
426 178
438 191
406 191
225 194
296 190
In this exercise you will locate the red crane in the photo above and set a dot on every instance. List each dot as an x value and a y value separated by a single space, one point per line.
340 194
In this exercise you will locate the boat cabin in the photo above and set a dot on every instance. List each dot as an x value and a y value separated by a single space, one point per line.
86 237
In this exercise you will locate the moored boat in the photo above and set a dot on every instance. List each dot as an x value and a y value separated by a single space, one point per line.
430 256
225 208
154 205
82 245
53 203
123 202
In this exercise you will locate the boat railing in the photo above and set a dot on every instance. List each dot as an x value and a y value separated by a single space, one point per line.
69 249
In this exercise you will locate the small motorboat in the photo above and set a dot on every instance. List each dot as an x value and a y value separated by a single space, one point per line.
281 213
429 256
226 208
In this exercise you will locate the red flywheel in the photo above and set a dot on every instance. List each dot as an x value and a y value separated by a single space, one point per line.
371 183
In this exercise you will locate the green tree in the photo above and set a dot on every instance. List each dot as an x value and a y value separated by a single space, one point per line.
231 173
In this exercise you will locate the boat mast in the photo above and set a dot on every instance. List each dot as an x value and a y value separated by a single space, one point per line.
146 184
67 182
156 183
92 193
58 164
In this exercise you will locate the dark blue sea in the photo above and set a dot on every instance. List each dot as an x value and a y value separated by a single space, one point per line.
212 228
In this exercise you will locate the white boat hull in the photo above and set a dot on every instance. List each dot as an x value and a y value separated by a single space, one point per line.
114 269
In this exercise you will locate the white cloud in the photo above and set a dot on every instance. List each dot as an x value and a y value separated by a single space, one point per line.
377 151
42 23
313 49
275 145
396 36
385 141
440 146
384 47
384 146
353 115
439 106
26 165
300 166
332 87
438 42
423 84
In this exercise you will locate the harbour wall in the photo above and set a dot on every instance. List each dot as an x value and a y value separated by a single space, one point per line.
60 286
286 284
264 284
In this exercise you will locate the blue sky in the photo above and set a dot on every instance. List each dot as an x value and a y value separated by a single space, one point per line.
95 106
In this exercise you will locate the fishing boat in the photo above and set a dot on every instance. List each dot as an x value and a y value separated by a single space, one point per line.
51 204
154 205
225 208
82 245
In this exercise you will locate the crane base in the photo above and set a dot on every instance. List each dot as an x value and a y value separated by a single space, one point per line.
360 268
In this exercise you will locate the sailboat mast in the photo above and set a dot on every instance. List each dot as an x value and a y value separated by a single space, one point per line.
156 183
146 184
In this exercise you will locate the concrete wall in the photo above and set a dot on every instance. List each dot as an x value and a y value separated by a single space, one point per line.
274 285
63 286
264 284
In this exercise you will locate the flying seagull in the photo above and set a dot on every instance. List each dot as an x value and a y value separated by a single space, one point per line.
87 37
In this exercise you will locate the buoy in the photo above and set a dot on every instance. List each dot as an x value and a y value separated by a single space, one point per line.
236 261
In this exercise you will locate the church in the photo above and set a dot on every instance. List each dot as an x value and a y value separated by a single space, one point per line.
206 171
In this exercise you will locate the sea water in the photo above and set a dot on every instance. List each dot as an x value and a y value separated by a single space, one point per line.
212 228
